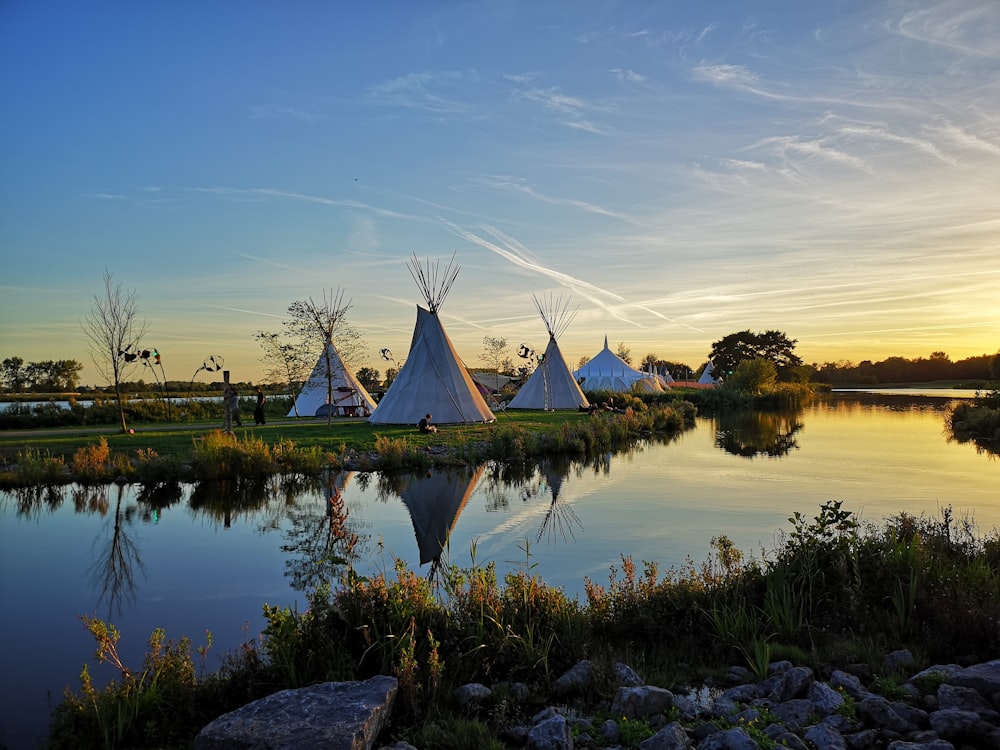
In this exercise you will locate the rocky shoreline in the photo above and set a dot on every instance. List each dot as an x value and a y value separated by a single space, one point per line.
944 707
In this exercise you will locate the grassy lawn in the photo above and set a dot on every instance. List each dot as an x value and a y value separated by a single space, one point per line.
172 439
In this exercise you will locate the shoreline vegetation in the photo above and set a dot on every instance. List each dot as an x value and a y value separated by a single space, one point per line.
834 591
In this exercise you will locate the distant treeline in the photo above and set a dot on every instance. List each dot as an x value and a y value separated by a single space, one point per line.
902 370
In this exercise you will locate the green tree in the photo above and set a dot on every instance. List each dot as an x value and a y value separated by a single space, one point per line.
496 358
753 376
368 377
624 352
115 332
773 346
13 374
995 368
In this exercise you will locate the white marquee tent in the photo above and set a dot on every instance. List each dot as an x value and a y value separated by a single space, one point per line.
609 372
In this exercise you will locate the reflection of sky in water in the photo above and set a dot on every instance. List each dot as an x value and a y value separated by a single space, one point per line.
659 503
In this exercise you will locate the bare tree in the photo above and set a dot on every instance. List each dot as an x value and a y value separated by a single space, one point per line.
320 323
115 331
496 357
288 362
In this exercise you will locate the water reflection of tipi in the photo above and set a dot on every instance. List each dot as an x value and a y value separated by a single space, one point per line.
435 501
560 518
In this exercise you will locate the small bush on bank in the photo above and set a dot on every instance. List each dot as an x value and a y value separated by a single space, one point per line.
978 421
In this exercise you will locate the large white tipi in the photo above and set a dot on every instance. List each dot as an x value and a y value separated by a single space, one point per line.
342 391
609 372
551 385
433 380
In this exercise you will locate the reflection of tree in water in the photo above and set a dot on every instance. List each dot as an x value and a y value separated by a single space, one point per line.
502 481
117 559
32 500
227 499
757 433
320 539
155 498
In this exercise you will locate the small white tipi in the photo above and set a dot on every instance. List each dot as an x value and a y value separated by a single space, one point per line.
433 380
609 372
552 385
708 376
342 391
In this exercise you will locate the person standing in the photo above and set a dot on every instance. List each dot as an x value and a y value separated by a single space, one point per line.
234 407
258 412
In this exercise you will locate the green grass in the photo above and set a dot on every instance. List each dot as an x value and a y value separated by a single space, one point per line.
196 451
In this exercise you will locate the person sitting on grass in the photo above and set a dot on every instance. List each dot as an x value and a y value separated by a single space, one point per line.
425 424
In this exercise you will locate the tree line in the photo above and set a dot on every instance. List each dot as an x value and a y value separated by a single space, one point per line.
49 376
938 366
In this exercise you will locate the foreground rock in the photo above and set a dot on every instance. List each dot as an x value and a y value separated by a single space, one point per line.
942 708
330 716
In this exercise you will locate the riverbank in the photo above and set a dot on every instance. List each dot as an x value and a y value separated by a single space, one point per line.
837 594
156 453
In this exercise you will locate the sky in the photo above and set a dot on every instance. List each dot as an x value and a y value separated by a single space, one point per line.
672 172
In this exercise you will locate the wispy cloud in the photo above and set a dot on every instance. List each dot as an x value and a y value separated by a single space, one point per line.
429 92
265 261
732 76
571 110
282 111
513 183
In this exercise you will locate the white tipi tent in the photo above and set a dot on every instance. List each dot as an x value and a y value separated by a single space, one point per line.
435 501
342 390
433 380
708 376
609 372
551 385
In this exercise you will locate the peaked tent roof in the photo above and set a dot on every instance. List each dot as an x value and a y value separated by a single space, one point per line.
609 372
708 376
433 380
347 391
551 385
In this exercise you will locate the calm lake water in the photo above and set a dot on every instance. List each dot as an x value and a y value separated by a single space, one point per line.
208 557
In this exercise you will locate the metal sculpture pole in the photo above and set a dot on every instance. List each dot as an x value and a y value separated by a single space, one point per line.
227 412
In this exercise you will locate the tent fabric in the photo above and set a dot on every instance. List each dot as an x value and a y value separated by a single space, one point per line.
563 390
435 502
708 376
609 372
432 380
348 395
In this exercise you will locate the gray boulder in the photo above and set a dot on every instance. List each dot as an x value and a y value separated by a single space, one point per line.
576 679
640 702
626 676
671 737
472 694
983 677
552 733
329 716
966 699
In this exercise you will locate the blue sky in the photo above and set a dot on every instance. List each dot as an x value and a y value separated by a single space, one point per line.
680 171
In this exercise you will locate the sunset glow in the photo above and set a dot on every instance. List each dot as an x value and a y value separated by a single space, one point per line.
681 172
